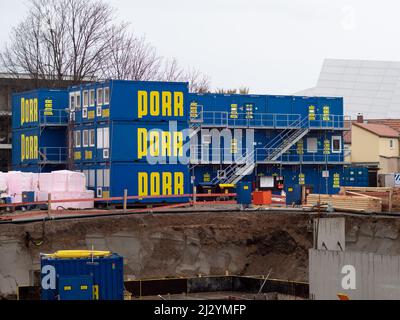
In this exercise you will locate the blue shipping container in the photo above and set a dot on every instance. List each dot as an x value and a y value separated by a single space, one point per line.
29 109
130 100
36 145
110 180
100 278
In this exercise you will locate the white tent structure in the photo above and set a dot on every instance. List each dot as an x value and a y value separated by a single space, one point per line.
368 87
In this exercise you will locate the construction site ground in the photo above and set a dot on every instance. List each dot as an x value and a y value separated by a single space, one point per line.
182 243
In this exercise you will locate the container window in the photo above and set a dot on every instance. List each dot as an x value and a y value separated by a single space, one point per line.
85 138
337 144
106 141
107 178
100 96
85 99
100 182
84 113
78 99
72 101
91 98
100 138
92 140
312 145
78 139
91 178
106 96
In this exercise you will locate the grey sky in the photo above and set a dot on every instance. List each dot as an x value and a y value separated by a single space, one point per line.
271 46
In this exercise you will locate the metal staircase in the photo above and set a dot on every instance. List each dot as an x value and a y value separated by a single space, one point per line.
274 149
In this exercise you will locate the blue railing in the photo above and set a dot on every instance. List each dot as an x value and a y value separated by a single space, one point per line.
273 121
203 155
53 155
54 117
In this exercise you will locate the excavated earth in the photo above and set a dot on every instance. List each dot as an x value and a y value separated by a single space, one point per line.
181 244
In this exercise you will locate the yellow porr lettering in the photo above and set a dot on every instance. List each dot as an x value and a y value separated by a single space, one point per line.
22 147
167 183
166 144
178 101
22 111
154 103
154 144
155 184
163 103
35 110
179 183
142 104
142 184
178 144
167 104
142 143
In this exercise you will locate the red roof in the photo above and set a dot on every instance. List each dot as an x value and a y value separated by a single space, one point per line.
378 129
393 123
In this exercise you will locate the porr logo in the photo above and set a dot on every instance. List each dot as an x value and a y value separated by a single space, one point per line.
48 278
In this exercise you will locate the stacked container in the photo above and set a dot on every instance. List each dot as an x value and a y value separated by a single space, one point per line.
130 135
39 124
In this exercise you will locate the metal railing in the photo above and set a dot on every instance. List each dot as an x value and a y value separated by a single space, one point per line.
270 120
54 117
53 155
200 154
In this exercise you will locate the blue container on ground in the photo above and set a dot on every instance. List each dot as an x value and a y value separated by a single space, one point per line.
100 278
293 194
244 192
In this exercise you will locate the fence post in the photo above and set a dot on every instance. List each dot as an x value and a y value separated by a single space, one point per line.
49 204
125 200
194 195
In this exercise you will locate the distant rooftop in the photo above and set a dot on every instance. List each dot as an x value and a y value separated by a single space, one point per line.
378 129
368 87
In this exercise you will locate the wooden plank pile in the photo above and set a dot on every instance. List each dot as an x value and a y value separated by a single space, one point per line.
351 203
390 196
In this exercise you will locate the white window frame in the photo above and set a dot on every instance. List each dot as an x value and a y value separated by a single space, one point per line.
339 138
308 145
100 178
78 101
92 138
85 137
106 93
84 113
72 101
106 153
99 111
206 139
92 176
92 98
85 102
78 139
106 178
100 139
106 138
100 96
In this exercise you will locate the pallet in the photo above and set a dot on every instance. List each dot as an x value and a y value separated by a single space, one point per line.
361 203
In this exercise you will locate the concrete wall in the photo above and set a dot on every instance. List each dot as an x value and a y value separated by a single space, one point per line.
168 245
329 234
375 276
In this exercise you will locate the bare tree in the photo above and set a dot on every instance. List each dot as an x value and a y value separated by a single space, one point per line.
241 90
78 40
61 39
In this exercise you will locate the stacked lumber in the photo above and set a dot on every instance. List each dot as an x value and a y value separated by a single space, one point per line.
390 196
359 203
